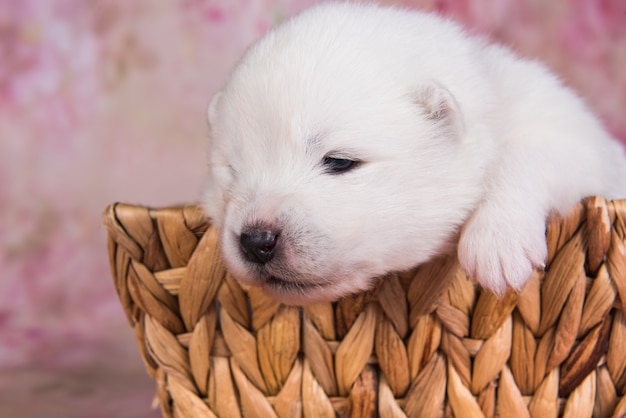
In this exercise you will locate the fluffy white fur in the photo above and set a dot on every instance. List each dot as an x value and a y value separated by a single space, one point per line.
462 146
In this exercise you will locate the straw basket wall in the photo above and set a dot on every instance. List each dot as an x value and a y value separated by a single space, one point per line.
425 343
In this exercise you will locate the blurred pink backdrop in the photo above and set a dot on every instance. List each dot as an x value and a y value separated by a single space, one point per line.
104 101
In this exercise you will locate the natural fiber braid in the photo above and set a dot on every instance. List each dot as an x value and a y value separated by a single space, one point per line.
424 343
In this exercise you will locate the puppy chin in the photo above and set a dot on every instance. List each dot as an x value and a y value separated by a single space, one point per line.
297 293
293 288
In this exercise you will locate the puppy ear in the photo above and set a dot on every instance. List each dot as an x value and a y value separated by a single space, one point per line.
213 200
212 111
440 106
216 181
212 196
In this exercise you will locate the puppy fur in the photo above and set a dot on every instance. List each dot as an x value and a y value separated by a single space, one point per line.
459 146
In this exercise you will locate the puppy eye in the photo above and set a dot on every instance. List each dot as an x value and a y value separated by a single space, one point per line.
338 165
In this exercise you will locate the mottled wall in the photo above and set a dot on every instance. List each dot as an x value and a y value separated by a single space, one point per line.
105 100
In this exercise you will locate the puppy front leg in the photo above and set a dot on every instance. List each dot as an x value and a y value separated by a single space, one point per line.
504 239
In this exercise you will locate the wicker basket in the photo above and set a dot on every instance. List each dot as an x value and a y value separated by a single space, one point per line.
425 343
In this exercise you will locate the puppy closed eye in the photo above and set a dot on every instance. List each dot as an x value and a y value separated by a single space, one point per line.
334 165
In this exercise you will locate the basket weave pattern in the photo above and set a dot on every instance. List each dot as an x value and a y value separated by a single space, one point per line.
425 343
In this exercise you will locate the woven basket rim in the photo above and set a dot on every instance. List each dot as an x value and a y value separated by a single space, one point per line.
426 342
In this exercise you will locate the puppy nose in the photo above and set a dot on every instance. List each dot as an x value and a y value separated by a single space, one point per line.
258 245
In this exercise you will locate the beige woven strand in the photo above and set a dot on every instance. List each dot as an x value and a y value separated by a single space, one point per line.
355 349
288 403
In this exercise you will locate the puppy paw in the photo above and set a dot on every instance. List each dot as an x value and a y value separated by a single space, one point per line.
499 250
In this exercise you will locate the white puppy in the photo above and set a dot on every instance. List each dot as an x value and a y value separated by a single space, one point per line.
355 140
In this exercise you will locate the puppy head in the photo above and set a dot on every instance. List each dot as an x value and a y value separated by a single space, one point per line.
327 170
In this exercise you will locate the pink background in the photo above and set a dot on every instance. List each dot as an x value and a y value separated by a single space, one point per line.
104 101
